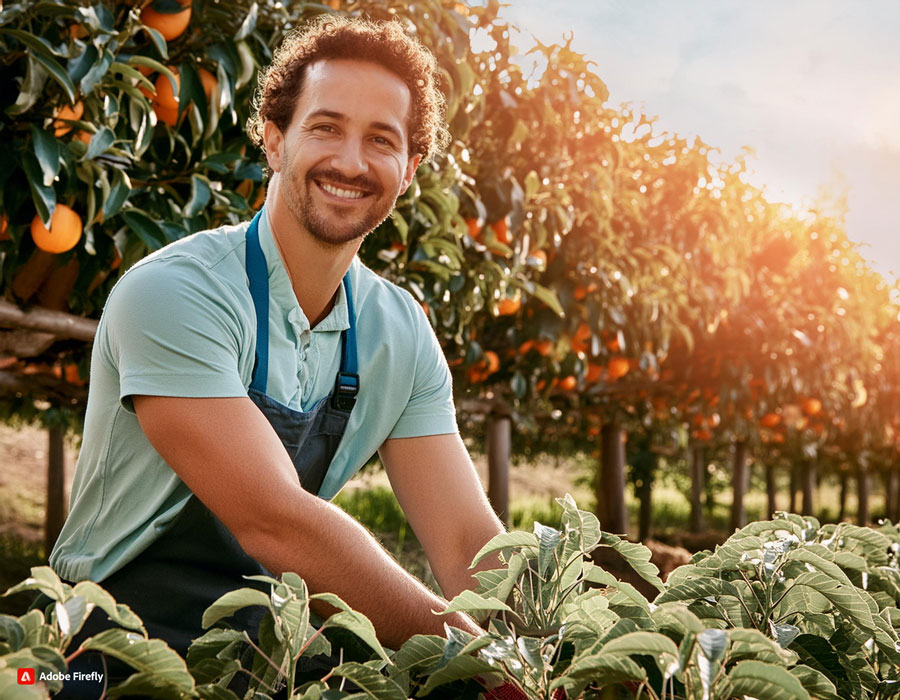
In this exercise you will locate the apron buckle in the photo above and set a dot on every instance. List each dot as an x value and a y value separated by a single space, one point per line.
346 387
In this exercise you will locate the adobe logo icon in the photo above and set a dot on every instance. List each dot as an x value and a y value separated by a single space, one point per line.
25 676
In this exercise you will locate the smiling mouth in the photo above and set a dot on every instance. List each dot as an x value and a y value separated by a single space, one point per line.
342 192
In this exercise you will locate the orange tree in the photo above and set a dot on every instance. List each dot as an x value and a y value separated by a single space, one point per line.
126 118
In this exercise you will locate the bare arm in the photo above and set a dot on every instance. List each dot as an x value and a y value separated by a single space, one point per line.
230 457
437 487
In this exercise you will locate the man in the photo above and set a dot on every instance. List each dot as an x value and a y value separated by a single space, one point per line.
223 414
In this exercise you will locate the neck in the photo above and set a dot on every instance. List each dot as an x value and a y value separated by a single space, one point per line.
314 268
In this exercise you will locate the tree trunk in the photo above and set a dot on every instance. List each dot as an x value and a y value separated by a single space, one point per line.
845 486
698 477
794 487
645 514
891 488
499 436
740 483
809 486
862 493
610 483
56 506
771 491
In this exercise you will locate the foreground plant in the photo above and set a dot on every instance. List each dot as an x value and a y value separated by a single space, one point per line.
784 610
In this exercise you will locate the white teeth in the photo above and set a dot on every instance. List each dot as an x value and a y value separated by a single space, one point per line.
346 194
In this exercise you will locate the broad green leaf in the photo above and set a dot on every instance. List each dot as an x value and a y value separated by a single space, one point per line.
846 598
370 681
44 198
118 193
588 614
676 617
660 647
200 196
43 579
602 670
713 644
475 604
46 150
145 228
147 684
698 589
70 616
100 143
215 654
150 656
97 71
784 634
595 574
548 538
764 682
499 583
506 540
815 682
11 632
420 653
159 41
31 89
352 621
637 556
752 644
231 602
215 692
119 613
457 668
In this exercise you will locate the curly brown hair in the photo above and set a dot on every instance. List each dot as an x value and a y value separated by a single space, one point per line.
383 43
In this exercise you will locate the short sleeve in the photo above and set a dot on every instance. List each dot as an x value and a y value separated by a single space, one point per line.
430 409
173 329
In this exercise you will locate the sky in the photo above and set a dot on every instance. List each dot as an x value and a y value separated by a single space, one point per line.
813 86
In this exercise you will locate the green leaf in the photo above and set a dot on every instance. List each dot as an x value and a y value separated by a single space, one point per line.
649 643
159 41
58 73
602 670
145 228
764 682
100 143
118 194
589 615
475 604
548 538
119 613
370 681
148 684
698 589
44 198
753 644
96 73
231 602
11 632
784 634
200 196
713 644
506 540
637 556
249 24
32 88
420 653
815 682
846 598
43 579
457 668
46 150
581 523
151 656
499 583
352 621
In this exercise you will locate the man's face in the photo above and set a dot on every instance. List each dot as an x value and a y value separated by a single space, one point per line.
343 160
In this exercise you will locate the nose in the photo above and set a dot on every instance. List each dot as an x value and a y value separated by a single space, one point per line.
350 158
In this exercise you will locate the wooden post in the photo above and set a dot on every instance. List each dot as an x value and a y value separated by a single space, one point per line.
740 482
771 491
610 483
794 487
56 507
698 477
891 489
845 487
808 484
499 437
862 494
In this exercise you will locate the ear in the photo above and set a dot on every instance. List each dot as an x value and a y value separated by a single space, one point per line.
273 140
411 167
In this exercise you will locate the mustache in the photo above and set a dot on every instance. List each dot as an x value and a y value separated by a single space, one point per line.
335 176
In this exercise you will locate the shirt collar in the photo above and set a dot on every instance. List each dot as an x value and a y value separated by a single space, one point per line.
282 292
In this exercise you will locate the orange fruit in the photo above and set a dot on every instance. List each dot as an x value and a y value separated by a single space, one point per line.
509 305
72 375
64 232
84 136
166 115
484 368
501 231
538 258
582 338
165 96
770 420
701 435
812 407
618 367
594 372
526 347
260 198
473 227
4 228
67 112
568 383
543 347
170 26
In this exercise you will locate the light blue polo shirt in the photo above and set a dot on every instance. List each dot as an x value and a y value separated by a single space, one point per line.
181 323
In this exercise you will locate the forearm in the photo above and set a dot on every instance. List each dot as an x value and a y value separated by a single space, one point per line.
333 553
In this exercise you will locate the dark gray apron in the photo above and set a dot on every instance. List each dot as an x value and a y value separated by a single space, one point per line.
196 559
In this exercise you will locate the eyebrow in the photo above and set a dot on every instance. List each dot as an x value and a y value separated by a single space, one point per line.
337 116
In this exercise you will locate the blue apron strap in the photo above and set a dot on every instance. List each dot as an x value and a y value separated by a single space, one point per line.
258 274
346 386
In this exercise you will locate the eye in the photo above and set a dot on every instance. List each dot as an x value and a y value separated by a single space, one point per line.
383 141
325 128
